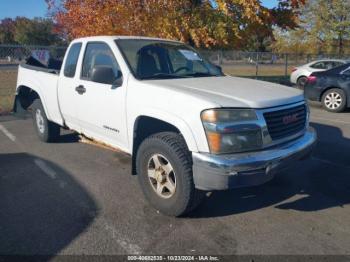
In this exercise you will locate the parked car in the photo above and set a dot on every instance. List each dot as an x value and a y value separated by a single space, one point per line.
299 74
331 87
188 127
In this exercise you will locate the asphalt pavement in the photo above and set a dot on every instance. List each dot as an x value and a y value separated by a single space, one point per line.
70 197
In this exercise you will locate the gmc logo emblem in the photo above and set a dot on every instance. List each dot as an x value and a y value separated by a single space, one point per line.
290 119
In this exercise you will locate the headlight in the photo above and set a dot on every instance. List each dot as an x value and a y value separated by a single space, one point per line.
231 130
228 115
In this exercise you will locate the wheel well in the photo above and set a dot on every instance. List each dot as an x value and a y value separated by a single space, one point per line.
144 127
25 98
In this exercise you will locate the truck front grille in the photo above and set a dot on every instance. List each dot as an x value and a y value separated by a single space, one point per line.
286 122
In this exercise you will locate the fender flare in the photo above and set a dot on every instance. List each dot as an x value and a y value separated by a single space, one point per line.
38 91
168 118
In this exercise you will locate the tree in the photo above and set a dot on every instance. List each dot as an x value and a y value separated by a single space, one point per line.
7 29
202 23
332 22
37 31
324 28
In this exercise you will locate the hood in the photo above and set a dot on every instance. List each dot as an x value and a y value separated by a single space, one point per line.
229 91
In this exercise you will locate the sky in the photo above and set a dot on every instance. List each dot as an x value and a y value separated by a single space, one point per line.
38 8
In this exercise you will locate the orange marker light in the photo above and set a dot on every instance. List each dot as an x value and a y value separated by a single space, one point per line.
214 140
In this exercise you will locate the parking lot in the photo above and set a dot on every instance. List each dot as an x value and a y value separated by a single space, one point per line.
76 198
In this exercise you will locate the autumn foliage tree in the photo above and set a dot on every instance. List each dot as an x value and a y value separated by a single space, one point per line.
202 23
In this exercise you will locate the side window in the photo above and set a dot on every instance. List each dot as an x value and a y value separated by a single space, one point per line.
329 65
72 59
99 55
335 64
319 65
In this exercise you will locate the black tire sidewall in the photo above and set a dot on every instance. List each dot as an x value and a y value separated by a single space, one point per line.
343 96
300 79
35 106
179 202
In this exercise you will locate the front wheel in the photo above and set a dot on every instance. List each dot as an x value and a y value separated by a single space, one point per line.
164 168
334 100
47 131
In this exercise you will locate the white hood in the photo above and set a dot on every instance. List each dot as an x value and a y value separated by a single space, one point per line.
229 91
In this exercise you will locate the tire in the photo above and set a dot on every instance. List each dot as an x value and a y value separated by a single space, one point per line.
168 148
334 100
301 82
46 130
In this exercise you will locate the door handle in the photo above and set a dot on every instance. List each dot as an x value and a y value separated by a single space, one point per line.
80 89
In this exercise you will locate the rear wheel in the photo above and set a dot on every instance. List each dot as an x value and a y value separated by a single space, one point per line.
301 82
334 100
164 169
47 131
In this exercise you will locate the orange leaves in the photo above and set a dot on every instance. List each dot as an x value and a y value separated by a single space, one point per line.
203 23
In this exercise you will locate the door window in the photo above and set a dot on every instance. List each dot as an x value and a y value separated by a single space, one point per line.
98 55
326 65
319 65
335 63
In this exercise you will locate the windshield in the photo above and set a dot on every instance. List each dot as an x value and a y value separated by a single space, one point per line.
156 59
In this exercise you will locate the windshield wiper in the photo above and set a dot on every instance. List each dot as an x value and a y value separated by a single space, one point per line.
161 76
199 74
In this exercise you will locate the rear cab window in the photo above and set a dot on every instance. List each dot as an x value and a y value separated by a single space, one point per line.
72 60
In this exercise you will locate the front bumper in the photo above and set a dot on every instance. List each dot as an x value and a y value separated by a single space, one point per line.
220 172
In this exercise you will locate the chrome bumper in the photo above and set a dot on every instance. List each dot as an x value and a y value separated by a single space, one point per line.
220 172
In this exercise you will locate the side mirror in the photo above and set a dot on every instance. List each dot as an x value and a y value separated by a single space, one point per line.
118 81
104 75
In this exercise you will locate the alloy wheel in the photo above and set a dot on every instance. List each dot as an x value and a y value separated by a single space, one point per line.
161 176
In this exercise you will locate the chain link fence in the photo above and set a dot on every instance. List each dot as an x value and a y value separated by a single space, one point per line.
10 57
264 66
267 66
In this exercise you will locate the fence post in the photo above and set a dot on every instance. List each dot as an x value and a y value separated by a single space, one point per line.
220 55
286 66
257 65
308 58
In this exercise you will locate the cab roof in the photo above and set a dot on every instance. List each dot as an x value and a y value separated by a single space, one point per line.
115 37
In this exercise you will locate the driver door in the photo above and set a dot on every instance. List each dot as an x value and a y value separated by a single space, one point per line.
101 106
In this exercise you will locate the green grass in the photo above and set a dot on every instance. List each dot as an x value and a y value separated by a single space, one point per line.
271 73
250 70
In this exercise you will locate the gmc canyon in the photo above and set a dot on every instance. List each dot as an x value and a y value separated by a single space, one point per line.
189 128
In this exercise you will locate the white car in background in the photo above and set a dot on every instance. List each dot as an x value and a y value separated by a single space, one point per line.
300 74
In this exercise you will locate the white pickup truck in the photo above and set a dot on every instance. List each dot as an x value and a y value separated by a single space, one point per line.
188 127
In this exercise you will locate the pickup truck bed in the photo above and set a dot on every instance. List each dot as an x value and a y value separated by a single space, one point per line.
39 76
